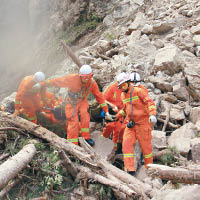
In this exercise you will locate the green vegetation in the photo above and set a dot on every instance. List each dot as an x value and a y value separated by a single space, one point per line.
170 158
43 175
81 27
56 128
104 192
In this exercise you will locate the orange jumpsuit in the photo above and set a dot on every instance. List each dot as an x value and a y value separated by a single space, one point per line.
78 106
27 99
113 95
143 107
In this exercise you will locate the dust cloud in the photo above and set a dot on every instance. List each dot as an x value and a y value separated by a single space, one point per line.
19 26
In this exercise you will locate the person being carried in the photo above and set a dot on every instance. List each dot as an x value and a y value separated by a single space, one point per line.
27 99
112 96
76 104
140 115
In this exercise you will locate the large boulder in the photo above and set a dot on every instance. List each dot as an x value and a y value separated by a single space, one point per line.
181 138
195 115
190 192
167 58
103 146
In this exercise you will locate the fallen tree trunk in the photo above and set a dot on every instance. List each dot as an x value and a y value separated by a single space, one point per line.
87 173
113 172
10 168
94 161
175 175
71 54
68 164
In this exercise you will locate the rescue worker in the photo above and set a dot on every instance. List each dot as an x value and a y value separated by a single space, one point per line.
112 95
79 86
27 100
140 115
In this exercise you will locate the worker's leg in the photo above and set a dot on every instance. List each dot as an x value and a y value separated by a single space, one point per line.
29 110
116 133
129 141
144 137
108 129
72 123
84 119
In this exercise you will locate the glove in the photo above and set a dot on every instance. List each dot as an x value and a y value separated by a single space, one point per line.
36 87
109 117
115 109
102 114
152 119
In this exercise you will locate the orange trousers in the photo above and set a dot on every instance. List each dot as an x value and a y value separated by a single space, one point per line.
73 126
142 133
117 128
30 106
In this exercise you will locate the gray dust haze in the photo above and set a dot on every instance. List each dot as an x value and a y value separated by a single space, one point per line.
20 24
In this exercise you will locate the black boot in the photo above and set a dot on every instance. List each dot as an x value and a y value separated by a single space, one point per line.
132 173
119 148
142 159
90 142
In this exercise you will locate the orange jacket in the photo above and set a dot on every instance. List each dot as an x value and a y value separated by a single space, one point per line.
143 105
25 91
113 95
73 83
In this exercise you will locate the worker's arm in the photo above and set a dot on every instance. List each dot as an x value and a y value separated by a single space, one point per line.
99 96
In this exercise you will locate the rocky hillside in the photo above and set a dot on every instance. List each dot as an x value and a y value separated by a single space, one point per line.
158 39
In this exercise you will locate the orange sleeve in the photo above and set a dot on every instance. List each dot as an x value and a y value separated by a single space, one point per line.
121 113
108 93
99 96
144 96
58 82
70 81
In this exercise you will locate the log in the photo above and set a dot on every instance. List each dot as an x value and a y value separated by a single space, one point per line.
9 128
103 56
175 175
113 172
10 168
68 164
167 119
71 54
49 136
105 181
169 123
40 198
4 155
89 157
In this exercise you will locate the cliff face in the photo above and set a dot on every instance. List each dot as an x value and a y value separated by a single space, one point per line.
30 31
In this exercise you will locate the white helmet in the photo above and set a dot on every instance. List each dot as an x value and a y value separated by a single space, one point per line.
122 78
135 77
85 70
39 77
